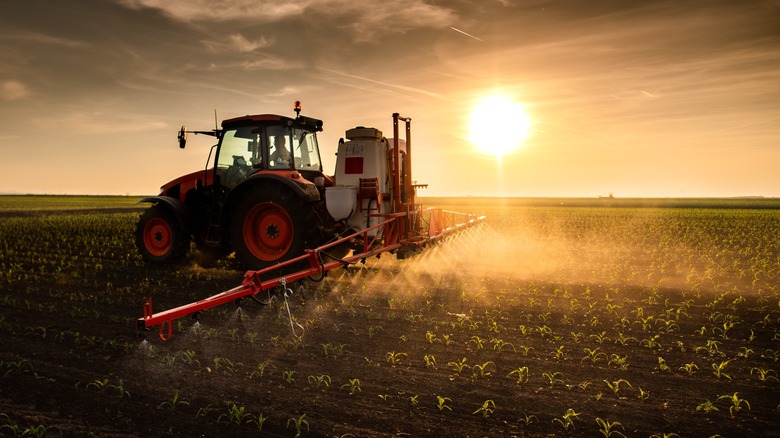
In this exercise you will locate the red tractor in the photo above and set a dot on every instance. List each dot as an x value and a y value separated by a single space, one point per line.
262 197
267 199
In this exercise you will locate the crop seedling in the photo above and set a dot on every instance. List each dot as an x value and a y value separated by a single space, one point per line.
260 371
527 419
430 361
553 378
689 368
763 374
608 428
394 358
521 374
458 366
261 419
173 403
559 354
619 362
442 403
121 388
353 386
481 370
707 407
718 368
615 385
100 385
487 409
322 379
298 424
205 411
235 414
662 365
567 420
593 355
736 403
288 376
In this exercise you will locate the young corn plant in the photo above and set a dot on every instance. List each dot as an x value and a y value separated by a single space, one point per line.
261 369
527 419
763 374
121 388
487 409
261 419
394 358
288 376
236 414
615 385
521 375
567 420
608 428
458 366
707 407
442 403
689 368
353 386
593 355
553 378
175 402
298 424
481 370
499 345
320 380
559 354
736 403
430 361
619 362
717 369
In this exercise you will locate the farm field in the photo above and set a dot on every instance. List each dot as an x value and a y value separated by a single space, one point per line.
556 317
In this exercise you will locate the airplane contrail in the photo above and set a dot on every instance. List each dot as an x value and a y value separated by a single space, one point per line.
467 34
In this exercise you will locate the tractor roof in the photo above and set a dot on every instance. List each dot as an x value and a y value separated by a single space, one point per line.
313 124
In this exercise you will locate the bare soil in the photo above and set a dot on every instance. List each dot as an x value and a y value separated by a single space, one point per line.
370 350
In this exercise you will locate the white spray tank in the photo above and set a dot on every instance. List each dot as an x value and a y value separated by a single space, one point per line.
362 178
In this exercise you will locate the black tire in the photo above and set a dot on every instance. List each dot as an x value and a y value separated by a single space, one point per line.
271 224
160 238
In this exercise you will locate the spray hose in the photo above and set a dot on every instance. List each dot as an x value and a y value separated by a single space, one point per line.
288 292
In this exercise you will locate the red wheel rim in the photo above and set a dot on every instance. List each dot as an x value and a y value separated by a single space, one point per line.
158 237
268 231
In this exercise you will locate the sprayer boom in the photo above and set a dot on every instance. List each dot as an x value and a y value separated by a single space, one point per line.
404 233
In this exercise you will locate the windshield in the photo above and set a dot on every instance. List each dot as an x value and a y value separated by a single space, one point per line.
306 151
246 149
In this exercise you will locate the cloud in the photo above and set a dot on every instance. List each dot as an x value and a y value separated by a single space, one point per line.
238 43
222 10
12 90
41 38
365 19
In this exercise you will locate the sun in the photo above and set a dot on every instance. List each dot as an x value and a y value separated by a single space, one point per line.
498 125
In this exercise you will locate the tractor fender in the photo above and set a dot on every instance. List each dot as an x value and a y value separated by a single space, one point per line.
176 207
307 192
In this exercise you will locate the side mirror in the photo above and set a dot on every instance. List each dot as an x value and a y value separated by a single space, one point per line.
183 137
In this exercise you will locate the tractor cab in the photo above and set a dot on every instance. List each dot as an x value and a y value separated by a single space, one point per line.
267 143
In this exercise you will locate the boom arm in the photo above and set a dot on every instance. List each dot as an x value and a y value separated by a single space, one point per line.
389 236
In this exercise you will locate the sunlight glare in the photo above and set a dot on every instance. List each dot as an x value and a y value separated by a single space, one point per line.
498 125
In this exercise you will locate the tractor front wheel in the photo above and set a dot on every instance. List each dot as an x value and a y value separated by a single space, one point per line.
159 237
271 226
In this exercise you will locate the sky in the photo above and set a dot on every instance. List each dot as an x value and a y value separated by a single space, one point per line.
662 98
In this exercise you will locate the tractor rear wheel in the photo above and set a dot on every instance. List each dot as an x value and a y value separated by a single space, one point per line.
159 237
271 225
